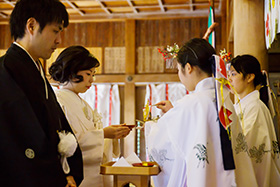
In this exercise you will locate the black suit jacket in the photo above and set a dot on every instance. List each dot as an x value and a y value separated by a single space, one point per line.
28 126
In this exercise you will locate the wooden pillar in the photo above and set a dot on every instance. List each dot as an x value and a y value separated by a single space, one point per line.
224 25
129 87
229 26
249 36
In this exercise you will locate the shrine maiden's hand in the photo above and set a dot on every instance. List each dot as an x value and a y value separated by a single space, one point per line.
116 131
70 181
164 106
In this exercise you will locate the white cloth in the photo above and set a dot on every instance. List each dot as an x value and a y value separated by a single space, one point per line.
87 126
66 147
256 155
278 14
186 142
271 18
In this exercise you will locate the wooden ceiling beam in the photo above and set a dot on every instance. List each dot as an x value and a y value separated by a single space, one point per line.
159 13
6 9
137 78
155 6
133 7
112 0
3 15
79 19
191 5
10 3
161 6
74 7
103 7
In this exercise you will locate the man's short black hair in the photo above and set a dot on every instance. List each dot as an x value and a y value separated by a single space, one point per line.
44 11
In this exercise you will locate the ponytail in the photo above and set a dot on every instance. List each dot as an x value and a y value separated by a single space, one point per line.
264 89
266 95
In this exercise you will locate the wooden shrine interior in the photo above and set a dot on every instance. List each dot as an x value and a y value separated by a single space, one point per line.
131 31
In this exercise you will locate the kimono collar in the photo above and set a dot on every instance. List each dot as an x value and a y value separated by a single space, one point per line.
205 84
251 97
39 67
72 94
27 53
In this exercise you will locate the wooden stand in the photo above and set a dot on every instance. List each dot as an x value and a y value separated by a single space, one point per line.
139 176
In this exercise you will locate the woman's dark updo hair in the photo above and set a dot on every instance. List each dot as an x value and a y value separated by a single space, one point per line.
197 52
70 61
247 64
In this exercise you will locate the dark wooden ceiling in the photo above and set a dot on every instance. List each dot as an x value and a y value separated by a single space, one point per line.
90 10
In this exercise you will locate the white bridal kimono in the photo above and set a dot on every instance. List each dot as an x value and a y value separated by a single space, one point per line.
88 128
186 142
257 155
106 100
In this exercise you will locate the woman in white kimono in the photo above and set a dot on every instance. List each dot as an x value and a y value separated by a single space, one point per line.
185 142
75 68
257 152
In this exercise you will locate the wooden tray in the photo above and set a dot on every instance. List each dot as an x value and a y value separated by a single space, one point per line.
107 169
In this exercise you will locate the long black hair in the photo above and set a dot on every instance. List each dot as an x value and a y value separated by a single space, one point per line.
248 64
70 61
197 52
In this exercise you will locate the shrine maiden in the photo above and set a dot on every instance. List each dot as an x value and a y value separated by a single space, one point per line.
186 140
75 67
257 152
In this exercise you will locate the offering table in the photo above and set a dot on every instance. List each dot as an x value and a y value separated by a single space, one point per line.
137 175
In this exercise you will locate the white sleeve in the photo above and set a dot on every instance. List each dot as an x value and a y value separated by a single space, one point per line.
178 175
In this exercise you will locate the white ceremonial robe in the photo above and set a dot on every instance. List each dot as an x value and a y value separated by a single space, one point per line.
186 142
88 129
256 153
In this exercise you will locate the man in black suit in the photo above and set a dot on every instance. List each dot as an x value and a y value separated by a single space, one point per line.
30 115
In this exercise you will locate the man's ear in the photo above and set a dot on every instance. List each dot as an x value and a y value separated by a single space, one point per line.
250 77
31 25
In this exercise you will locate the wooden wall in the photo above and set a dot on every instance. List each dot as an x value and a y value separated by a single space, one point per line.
5 38
95 34
274 62
112 34
168 32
